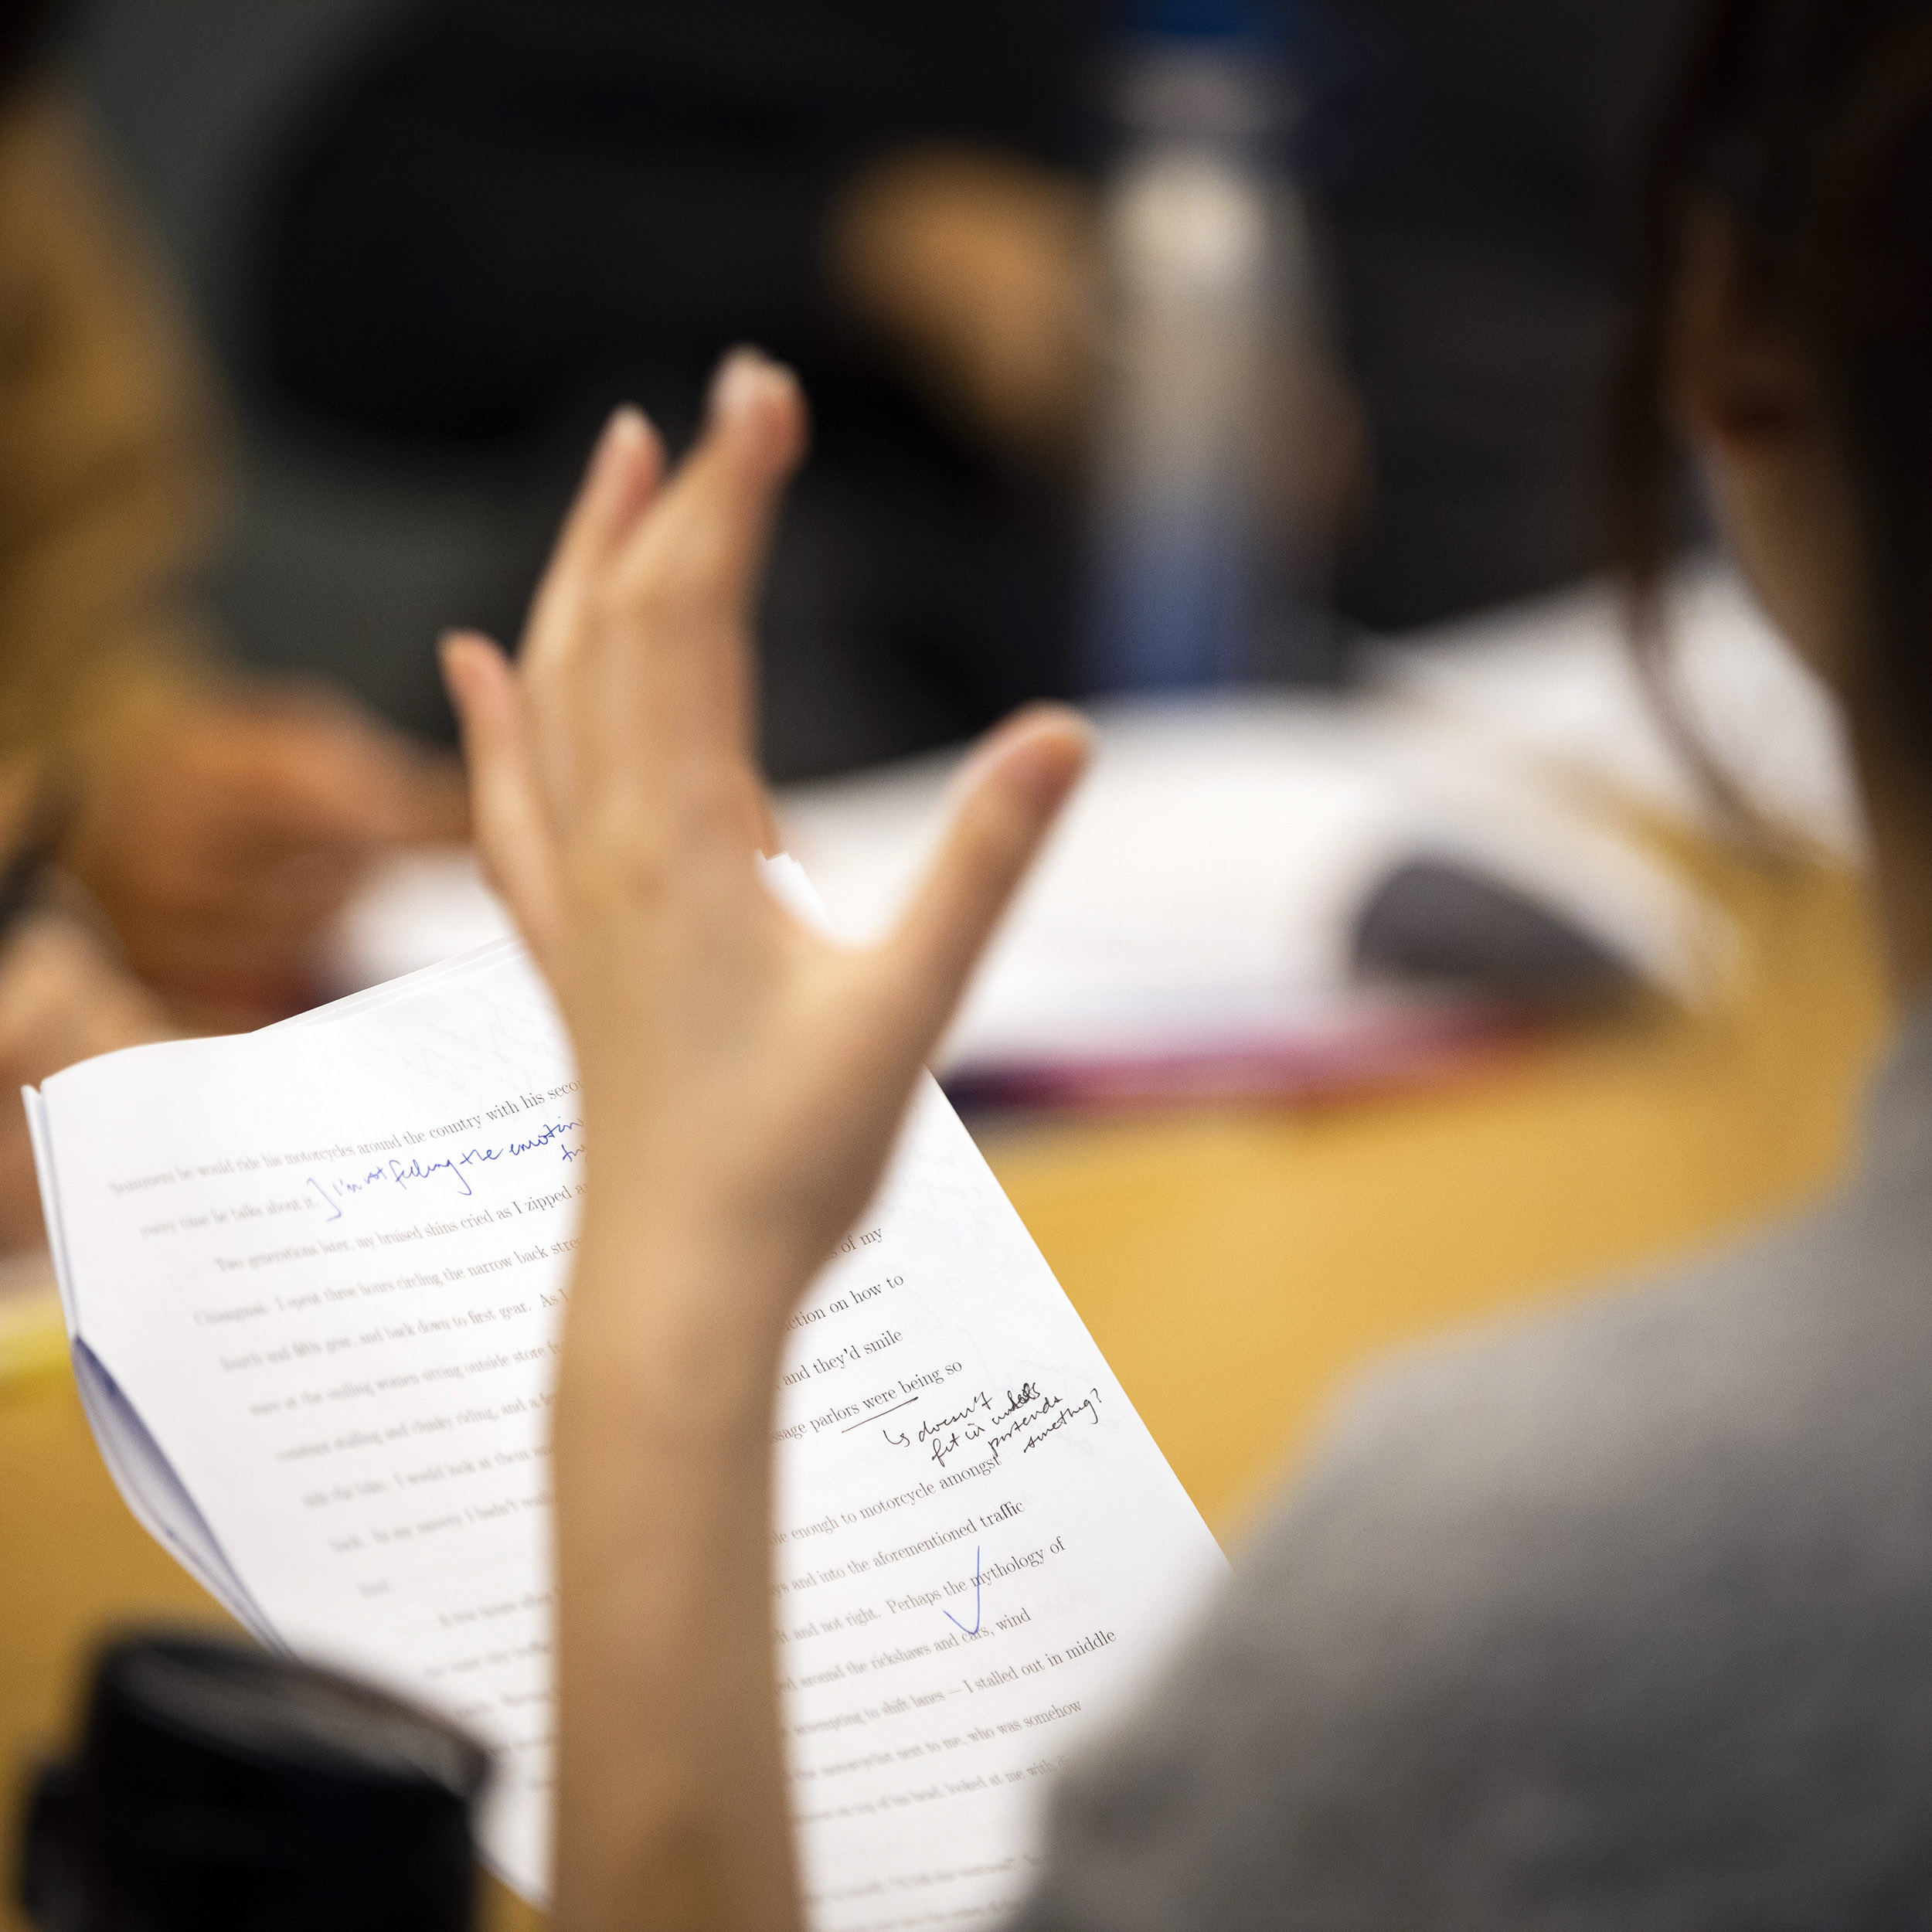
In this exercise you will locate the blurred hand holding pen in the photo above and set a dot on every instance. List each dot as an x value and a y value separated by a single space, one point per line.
978 269
176 835
217 822
219 845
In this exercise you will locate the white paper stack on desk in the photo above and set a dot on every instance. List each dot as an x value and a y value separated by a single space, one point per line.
1197 926
313 1278
1554 680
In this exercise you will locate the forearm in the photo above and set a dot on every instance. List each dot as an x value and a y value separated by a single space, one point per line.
670 1805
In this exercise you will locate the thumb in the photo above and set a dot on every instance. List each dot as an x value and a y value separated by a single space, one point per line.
1014 788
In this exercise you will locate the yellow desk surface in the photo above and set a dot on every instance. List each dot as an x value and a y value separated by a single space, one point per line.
1235 1267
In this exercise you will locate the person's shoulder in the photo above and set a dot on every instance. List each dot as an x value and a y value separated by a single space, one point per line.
1795 1344
1720 1415
1590 1603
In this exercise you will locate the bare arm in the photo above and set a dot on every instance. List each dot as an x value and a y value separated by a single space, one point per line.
743 1082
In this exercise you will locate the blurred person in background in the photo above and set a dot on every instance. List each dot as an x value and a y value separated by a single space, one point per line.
509 213
1479 166
1617 1618
204 828
503 215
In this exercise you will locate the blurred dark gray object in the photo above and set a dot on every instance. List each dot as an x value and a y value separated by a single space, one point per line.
220 1787
1438 922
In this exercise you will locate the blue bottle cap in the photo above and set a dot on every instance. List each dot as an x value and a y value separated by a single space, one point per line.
1202 20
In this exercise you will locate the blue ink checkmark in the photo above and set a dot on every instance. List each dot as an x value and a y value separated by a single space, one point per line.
977 1580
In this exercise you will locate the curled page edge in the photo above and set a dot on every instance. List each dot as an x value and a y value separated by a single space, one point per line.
43 1174
152 1490
458 965
141 1473
790 885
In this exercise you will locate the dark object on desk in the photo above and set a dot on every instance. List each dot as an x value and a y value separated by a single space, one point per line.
220 1788
1433 919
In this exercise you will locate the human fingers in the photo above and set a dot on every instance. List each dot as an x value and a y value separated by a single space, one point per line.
512 831
368 784
622 477
1012 790
284 898
715 516
252 784
764 821
682 585
250 974
623 472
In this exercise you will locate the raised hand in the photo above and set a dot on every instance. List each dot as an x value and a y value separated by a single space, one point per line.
752 1072
743 1081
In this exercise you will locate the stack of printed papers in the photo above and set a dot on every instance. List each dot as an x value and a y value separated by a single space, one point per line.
313 1279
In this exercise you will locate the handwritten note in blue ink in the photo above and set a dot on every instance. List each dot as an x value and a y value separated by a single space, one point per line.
403 1175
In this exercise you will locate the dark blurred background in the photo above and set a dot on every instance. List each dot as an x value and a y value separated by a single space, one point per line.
344 565
432 244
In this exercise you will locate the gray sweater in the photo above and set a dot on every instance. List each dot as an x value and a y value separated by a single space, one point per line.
1619 1620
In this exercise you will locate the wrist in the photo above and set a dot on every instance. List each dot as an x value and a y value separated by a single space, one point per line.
681 1325
694 1211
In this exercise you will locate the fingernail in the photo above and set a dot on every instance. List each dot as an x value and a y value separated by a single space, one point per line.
747 380
1045 763
626 426
449 661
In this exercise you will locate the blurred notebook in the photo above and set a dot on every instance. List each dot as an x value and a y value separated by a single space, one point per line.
1289 894
1554 678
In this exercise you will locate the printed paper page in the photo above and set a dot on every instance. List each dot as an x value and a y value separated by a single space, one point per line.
326 1265
979 1550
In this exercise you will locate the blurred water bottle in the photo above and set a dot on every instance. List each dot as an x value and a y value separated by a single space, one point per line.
1200 573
